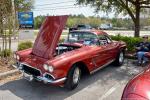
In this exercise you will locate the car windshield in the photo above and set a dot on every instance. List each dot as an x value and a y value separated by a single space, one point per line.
82 37
104 39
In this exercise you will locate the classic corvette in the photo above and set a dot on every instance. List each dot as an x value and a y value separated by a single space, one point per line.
62 64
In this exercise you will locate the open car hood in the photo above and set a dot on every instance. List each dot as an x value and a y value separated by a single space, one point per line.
48 36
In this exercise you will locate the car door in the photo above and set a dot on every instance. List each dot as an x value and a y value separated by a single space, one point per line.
105 52
100 56
111 48
100 52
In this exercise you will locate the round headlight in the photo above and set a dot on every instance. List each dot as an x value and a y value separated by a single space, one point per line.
45 66
17 57
50 69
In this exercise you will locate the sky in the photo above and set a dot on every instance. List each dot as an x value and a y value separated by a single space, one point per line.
64 7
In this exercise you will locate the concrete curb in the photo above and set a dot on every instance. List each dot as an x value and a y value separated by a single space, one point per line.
8 73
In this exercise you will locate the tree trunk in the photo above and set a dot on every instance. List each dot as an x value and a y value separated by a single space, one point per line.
9 41
137 22
10 30
137 28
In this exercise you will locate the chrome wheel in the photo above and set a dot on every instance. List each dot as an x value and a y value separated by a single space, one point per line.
73 77
121 57
76 75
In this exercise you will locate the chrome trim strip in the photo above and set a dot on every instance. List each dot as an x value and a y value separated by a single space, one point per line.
46 80
102 66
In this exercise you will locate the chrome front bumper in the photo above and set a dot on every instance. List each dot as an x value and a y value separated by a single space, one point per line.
39 78
46 80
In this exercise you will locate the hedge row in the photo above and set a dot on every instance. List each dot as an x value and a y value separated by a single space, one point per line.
130 41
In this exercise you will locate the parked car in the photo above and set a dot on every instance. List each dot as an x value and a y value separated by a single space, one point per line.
85 51
81 27
138 88
105 26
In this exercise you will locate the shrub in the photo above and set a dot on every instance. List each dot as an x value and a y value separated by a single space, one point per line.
25 45
130 41
6 53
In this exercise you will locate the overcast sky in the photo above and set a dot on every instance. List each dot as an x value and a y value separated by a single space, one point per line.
63 7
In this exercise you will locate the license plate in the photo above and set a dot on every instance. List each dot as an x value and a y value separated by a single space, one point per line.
28 77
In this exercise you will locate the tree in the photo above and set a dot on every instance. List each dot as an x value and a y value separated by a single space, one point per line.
130 7
38 20
23 5
7 19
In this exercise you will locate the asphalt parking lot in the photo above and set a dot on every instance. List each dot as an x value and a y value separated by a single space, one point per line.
106 84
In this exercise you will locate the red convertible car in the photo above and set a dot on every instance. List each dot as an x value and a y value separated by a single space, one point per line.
62 64
138 88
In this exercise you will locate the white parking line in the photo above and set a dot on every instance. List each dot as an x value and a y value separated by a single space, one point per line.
111 90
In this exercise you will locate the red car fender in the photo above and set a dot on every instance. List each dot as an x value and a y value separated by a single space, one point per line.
85 62
23 54
122 45
63 71
138 87
67 64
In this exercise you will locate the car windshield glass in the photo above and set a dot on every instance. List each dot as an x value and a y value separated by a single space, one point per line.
82 37
103 39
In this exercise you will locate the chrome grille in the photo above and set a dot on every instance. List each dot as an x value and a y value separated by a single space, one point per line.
31 71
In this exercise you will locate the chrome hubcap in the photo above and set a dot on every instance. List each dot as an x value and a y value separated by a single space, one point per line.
121 57
76 75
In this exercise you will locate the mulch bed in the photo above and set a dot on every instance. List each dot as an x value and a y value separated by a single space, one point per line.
5 67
